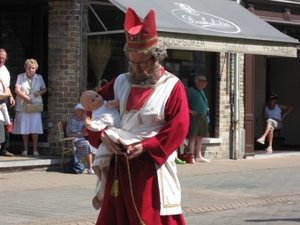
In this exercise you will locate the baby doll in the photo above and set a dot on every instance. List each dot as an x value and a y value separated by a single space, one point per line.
105 115
102 116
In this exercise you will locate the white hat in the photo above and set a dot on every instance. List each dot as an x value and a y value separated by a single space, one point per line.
79 106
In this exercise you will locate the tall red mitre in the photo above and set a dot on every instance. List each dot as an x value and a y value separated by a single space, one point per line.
140 34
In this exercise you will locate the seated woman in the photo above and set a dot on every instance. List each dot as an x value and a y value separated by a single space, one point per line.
76 128
272 115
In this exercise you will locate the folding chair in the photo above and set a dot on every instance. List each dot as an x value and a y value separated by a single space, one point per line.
67 143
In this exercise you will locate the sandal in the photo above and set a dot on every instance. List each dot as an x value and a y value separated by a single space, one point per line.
24 153
261 141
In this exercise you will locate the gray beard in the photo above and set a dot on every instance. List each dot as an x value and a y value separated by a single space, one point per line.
148 78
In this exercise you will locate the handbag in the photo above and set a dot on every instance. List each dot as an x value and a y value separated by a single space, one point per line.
33 108
37 105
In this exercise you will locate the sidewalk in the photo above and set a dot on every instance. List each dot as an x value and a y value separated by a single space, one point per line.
260 161
40 197
53 179
20 163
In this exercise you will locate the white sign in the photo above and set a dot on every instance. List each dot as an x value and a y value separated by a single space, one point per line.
226 45
204 20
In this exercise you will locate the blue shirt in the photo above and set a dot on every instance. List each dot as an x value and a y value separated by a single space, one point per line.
197 100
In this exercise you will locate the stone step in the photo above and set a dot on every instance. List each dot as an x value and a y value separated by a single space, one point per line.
20 163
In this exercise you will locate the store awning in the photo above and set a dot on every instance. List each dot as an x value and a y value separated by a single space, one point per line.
212 25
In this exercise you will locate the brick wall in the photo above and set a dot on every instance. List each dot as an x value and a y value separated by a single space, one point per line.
64 80
224 106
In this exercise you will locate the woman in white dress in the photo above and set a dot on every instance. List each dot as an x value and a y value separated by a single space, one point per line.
29 86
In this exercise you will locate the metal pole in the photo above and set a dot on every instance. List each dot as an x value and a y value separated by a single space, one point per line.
237 118
236 106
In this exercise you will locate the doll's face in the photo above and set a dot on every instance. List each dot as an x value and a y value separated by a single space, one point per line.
91 100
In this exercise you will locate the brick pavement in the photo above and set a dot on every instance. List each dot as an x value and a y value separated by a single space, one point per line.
42 179
37 196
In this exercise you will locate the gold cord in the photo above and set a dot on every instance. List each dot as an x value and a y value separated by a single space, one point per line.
115 187
131 192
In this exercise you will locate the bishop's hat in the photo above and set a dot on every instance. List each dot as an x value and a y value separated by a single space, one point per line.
140 35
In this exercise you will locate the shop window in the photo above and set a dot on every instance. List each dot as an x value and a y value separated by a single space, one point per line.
182 63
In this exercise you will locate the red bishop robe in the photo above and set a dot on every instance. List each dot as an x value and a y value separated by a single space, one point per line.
121 210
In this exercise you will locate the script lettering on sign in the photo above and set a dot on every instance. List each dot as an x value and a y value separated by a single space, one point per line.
204 20
235 46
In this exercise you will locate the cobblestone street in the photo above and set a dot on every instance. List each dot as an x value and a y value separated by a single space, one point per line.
243 190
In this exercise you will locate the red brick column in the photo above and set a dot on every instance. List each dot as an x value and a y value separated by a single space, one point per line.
64 63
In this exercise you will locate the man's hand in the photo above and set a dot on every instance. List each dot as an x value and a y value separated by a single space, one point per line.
193 113
110 145
135 150
109 104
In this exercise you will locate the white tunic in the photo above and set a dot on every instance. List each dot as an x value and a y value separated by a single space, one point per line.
147 122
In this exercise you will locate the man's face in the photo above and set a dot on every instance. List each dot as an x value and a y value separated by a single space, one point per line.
140 63
2 58
143 68
200 84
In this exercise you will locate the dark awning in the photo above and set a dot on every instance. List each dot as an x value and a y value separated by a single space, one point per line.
212 25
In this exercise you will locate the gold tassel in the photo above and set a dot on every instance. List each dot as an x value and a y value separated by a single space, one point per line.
115 187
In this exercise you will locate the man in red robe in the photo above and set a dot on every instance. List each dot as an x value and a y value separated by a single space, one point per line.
142 185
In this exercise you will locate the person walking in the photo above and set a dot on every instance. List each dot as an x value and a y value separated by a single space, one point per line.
142 185
198 106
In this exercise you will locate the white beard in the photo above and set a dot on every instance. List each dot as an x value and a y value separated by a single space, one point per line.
148 78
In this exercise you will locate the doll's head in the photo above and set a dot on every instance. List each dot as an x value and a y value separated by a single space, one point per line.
91 100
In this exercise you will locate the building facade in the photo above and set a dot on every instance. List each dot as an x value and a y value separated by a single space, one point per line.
60 33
